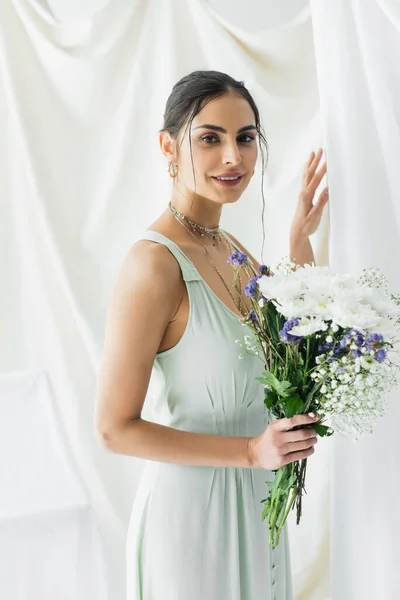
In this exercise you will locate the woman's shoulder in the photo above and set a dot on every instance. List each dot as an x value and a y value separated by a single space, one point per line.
146 258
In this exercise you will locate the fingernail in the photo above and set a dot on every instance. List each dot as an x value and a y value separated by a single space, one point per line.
312 415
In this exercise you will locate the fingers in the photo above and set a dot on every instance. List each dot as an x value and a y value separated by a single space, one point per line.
300 446
311 167
317 158
318 207
300 435
288 424
313 179
293 456
317 178
310 160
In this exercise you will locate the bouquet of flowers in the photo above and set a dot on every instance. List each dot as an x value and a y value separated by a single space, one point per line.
328 342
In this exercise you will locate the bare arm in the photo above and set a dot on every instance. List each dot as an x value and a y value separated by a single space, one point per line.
301 251
144 300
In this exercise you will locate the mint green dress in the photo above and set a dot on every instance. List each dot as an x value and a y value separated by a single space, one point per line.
195 533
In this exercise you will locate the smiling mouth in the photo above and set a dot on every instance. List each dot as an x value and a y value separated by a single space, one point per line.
228 181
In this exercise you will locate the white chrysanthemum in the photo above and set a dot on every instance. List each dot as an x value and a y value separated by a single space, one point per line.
307 327
320 306
280 287
357 316
315 279
293 308
343 282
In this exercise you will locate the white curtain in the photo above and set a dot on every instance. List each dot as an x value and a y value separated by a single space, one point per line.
82 93
358 49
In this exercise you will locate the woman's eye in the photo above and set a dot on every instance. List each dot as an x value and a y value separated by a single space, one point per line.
250 138
210 139
206 138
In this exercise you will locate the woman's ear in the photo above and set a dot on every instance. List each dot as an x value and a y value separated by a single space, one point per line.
167 145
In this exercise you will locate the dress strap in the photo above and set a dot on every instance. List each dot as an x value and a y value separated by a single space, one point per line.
189 271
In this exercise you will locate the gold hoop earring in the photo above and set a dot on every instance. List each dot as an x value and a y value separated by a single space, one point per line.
173 169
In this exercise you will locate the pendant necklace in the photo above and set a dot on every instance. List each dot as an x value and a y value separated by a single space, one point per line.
215 234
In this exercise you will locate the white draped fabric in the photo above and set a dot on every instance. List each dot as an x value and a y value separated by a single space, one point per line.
82 93
357 49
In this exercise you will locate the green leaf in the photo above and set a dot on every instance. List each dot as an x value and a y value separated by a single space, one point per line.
269 398
293 406
273 319
282 388
265 512
323 430
298 378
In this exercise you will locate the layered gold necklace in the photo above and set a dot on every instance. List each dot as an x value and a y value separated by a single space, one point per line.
215 234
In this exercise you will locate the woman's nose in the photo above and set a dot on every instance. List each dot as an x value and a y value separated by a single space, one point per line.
232 154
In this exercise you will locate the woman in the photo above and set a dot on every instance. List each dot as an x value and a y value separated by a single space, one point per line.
195 532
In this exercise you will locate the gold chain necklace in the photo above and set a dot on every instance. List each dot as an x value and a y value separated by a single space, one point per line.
213 232
240 306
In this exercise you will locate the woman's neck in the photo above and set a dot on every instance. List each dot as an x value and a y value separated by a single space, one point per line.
202 211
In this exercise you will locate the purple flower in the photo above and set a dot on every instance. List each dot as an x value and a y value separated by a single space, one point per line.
264 270
253 316
237 258
374 345
380 355
345 341
374 340
325 346
353 336
290 323
288 337
251 289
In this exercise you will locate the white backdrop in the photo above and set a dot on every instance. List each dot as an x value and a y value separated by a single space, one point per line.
83 90
357 49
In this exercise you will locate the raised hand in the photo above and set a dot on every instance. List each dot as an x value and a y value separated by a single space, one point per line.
308 215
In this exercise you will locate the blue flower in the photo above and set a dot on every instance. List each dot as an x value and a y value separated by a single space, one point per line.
374 340
325 346
264 270
251 289
237 258
345 341
290 324
253 316
380 355
376 337
288 337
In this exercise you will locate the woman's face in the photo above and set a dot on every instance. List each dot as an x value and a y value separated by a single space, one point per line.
224 144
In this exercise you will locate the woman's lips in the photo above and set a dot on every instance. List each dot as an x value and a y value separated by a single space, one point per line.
228 183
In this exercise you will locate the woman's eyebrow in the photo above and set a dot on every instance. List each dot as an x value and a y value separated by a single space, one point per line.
222 130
